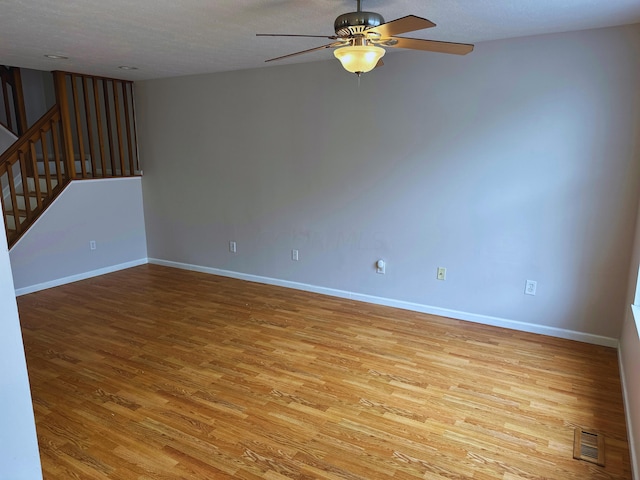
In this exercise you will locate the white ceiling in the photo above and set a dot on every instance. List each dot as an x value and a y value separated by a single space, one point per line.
166 38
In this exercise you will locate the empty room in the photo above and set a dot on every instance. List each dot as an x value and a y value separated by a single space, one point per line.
331 239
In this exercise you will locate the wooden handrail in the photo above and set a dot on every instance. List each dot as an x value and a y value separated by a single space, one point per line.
35 129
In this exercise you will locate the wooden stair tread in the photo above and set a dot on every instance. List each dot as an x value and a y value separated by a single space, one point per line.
21 212
43 194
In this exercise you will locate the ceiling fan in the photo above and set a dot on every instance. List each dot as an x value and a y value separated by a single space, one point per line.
360 38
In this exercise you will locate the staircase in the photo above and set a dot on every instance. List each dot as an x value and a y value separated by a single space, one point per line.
89 133
26 201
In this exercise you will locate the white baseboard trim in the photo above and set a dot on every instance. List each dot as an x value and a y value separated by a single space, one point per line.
635 466
78 277
416 307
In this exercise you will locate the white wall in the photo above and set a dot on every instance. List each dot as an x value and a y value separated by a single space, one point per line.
19 458
518 161
56 249
7 138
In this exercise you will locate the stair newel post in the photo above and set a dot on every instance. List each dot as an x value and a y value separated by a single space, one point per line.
62 97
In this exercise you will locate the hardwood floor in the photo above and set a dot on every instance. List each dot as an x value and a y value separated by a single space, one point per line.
158 373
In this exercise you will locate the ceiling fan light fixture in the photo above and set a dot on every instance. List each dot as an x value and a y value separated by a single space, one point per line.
359 58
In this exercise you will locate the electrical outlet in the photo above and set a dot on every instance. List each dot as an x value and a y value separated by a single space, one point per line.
232 247
381 267
530 287
294 255
92 245
442 273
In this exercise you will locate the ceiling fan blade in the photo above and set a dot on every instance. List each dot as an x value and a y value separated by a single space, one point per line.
401 25
430 45
379 64
330 45
332 37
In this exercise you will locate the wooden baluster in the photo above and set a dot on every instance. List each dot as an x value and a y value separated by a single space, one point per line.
76 110
135 132
5 209
116 105
24 168
96 99
55 132
45 160
14 199
36 176
87 113
127 116
105 87
63 102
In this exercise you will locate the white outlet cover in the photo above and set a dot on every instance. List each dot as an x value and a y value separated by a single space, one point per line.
530 287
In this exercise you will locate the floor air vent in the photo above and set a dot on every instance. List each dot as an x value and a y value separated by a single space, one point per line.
588 446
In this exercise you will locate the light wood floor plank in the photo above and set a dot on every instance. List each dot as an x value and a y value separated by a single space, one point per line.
157 373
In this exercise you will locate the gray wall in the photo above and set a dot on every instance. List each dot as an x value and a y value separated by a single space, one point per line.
519 161
56 249
37 86
19 459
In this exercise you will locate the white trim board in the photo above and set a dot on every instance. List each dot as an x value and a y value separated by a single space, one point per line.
389 302
81 276
635 466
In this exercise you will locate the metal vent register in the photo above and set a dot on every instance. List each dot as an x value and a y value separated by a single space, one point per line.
588 446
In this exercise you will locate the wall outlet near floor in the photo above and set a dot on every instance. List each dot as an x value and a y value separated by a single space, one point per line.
294 255
530 287
92 245
381 267
442 273
232 247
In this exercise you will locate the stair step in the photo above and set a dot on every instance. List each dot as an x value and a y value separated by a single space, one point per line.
42 184
43 194
21 212
11 221
21 198
21 202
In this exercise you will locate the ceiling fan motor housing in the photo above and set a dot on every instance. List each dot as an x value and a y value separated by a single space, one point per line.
354 23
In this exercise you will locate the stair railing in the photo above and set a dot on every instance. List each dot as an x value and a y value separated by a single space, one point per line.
15 114
89 133
99 125
32 173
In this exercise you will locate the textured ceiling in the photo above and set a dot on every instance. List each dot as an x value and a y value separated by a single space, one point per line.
182 37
